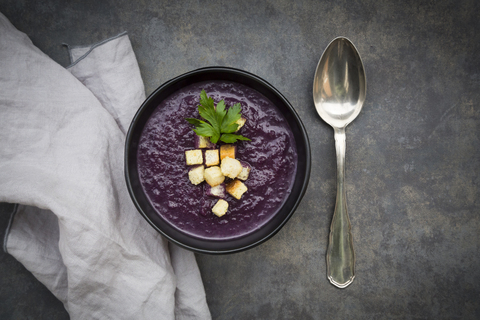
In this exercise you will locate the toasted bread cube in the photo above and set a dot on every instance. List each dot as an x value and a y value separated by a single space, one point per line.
217 191
202 142
240 123
236 188
214 176
220 208
194 157
231 167
227 150
211 158
243 175
196 174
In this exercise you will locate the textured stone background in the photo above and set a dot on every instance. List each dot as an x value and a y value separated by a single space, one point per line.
413 154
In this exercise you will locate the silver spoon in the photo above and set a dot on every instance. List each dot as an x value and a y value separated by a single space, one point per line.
339 90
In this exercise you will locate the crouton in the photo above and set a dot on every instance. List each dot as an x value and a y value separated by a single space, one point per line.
231 167
243 175
214 176
220 208
211 158
240 123
217 191
227 150
202 142
236 188
194 157
195 174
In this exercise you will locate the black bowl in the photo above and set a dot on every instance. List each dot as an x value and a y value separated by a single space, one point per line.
204 245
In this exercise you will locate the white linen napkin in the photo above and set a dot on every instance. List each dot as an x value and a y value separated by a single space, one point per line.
61 158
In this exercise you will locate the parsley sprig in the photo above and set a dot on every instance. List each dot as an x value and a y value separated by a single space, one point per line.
220 123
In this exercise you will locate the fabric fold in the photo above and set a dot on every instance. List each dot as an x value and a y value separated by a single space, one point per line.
61 159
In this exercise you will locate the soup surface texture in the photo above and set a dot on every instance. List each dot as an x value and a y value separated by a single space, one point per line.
163 172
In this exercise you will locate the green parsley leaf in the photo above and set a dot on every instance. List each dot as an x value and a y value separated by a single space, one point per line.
231 138
220 123
204 129
205 101
233 115
194 121
220 109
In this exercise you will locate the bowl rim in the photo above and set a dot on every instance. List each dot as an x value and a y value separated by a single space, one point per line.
306 158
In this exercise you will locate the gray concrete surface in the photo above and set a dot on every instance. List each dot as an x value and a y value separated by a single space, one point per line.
413 154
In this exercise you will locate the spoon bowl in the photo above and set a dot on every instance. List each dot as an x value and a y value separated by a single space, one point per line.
339 90
339 86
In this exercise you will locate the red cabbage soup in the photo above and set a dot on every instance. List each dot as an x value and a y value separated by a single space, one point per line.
164 174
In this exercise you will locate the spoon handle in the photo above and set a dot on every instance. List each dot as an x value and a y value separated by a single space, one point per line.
340 253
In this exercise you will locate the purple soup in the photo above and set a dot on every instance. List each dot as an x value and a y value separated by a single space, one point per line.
164 174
